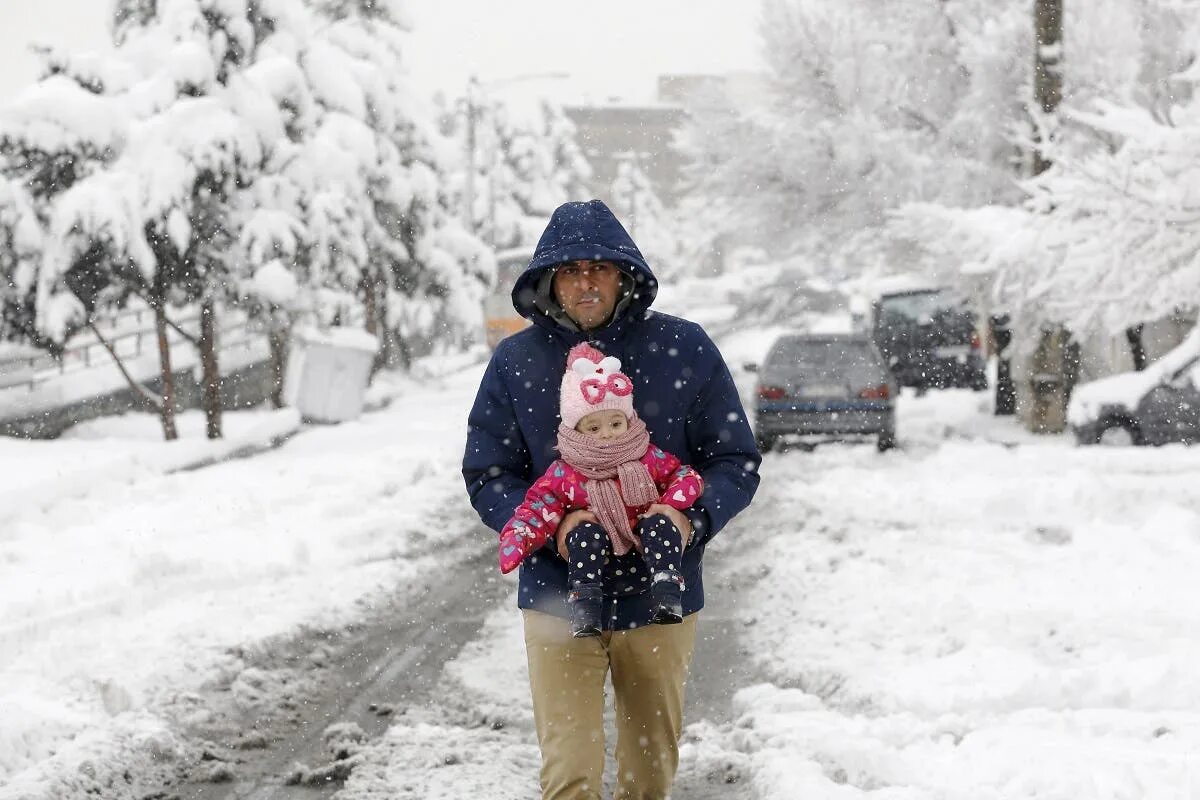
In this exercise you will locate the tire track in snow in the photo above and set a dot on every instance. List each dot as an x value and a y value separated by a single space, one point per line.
381 668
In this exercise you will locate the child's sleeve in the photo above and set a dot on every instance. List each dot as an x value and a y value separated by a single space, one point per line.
533 523
680 484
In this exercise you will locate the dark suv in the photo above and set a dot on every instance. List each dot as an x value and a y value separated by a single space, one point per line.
928 338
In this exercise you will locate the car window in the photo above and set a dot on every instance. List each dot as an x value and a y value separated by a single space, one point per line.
821 354
917 307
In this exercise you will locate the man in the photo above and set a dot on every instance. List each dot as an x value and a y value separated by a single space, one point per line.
588 282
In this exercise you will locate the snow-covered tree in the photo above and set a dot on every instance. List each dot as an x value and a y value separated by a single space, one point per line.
136 157
1116 237
509 174
53 135
1100 243
395 241
570 170
650 223
200 131
871 105
267 154
527 163
21 245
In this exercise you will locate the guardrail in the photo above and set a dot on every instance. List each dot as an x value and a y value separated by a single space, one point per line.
30 371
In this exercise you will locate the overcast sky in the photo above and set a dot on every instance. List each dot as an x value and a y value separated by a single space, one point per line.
611 49
81 24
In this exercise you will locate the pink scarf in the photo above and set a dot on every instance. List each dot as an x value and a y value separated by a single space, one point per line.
601 462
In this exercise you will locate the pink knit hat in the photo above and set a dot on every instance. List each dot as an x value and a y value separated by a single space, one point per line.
593 382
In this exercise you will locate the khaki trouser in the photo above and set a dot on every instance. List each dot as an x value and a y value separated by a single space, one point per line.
566 675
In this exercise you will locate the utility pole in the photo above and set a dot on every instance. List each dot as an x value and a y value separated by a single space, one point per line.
469 186
1048 366
1047 70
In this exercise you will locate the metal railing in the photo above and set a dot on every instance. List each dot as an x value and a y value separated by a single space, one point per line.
30 371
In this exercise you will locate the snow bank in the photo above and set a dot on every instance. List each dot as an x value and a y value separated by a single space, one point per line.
121 588
969 618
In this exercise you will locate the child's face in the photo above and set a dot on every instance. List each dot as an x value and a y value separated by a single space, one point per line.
603 424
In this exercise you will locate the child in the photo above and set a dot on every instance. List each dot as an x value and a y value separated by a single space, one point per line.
610 468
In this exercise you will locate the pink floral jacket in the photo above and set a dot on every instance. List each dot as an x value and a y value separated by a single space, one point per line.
562 489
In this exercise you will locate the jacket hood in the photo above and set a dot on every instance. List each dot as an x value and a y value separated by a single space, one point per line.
576 232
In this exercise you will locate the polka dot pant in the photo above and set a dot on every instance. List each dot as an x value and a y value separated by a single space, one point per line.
589 548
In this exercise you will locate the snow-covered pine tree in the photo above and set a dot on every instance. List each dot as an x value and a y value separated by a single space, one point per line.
20 250
418 264
570 170
652 225
62 131
55 133
275 248
154 217
200 142
526 174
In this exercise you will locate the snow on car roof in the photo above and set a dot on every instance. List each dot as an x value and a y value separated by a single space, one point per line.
1124 390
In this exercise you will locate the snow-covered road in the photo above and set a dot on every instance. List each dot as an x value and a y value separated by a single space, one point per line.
966 619
123 596
979 614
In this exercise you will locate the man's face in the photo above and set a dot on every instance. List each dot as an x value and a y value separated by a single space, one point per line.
587 291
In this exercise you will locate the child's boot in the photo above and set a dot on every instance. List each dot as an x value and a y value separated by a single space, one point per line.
666 594
587 603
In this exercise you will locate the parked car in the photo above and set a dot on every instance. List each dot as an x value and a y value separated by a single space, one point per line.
824 384
1159 405
929 339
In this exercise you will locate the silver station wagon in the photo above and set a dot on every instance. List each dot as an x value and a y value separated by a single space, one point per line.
829 385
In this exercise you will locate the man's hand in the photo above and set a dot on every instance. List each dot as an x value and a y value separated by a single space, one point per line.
571 521
677 517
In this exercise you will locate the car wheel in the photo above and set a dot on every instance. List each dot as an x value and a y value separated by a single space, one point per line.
1119 432
885 442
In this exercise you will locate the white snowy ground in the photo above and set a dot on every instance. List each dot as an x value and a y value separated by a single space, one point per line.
980 614
970 620
122 586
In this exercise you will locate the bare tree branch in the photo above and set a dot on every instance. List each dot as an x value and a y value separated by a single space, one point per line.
920 119
194 340
148 397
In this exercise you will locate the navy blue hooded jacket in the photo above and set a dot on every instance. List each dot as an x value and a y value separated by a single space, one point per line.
682 390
